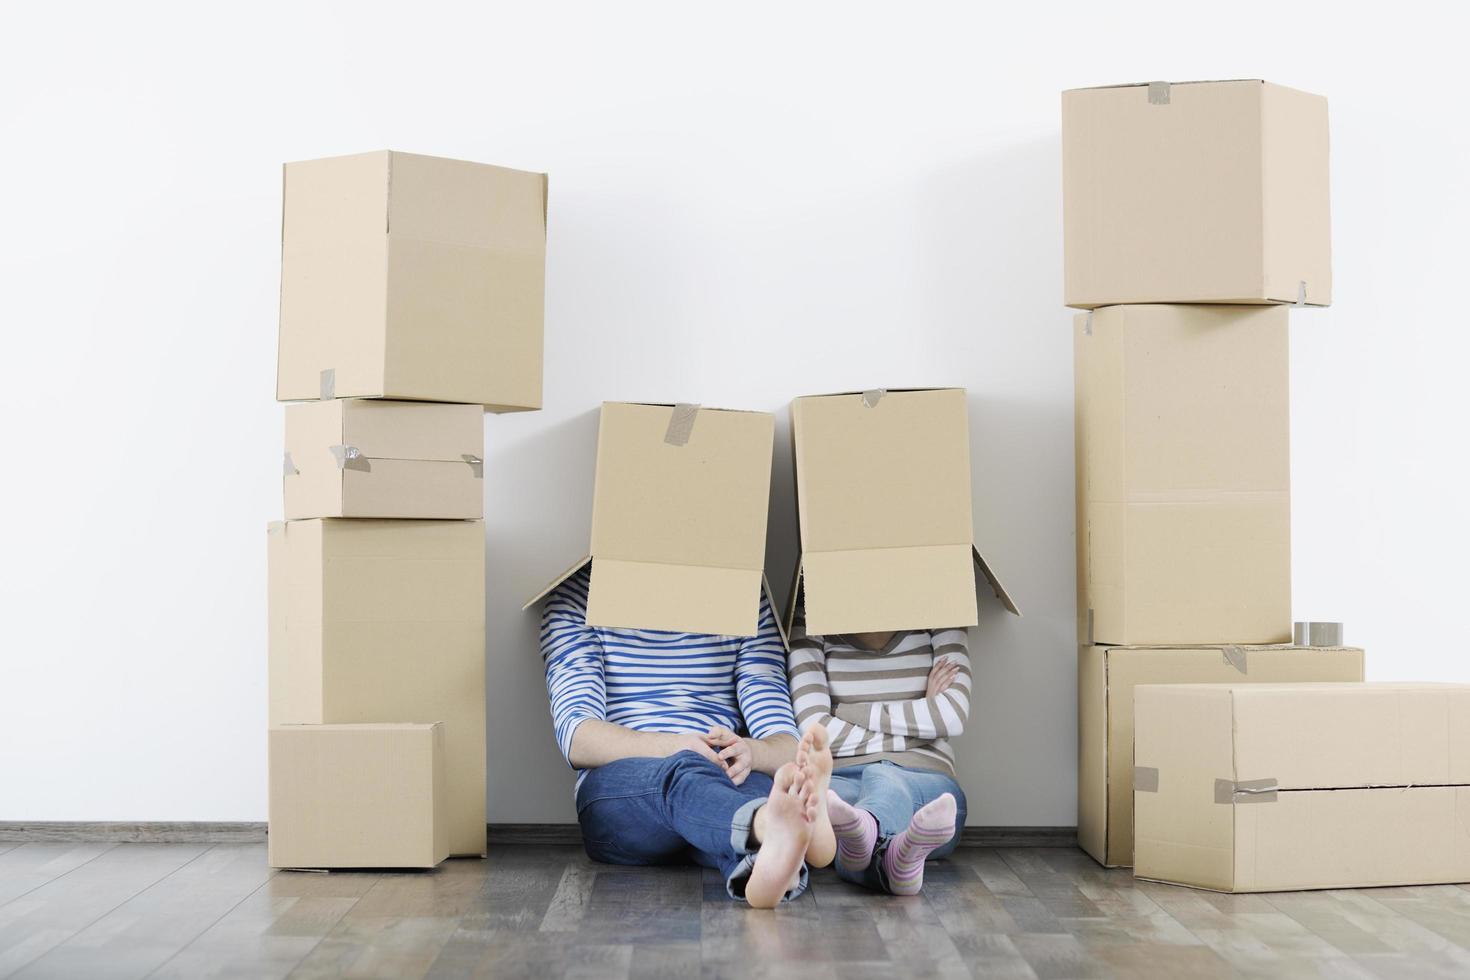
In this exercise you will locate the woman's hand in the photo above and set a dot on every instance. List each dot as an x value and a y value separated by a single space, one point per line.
735 753
941 676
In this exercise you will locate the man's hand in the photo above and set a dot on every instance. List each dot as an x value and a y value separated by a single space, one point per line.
941 676
700 744
735 753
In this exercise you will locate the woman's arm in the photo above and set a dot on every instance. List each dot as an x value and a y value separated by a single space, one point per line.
940 716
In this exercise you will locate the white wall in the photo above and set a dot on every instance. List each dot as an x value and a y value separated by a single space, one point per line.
747 202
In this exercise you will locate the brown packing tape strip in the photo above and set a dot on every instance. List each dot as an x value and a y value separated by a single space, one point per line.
288 467
1158 93
1245 791
873 396
681 424
477 465
1145 779
1235 657
328 389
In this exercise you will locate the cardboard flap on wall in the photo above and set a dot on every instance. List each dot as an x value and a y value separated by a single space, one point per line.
678 519
883 499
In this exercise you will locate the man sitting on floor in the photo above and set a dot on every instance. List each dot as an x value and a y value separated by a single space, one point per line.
684 746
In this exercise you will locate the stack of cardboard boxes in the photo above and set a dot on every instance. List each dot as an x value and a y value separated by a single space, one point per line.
411 301
1212 751
1194 214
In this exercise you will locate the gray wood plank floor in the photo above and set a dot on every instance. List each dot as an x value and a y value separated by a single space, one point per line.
194 910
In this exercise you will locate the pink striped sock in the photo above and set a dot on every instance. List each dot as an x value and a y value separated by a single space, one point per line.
930 828
856 830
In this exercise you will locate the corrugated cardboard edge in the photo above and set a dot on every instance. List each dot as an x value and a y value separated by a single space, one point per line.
586 560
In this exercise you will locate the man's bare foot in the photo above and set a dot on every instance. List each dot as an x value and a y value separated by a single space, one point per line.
815 753
783 828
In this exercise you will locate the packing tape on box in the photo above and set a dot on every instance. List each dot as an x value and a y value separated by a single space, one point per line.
1145 779
477 465
1090 640
1158 93
1235 657
328 389
873 396
350 458
1311 634
288 467
1087 324
1245 791
1301 293
681 424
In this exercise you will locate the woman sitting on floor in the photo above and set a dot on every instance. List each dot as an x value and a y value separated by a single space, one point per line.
888 703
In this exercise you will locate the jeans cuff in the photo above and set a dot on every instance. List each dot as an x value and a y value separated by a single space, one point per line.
740 828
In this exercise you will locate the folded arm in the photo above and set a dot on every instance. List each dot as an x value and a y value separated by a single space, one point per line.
764 696
941 716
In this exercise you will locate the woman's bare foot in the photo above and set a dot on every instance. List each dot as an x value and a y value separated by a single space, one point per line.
815 752
783 828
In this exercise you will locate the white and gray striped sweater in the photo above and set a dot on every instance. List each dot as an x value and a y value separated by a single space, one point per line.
872 702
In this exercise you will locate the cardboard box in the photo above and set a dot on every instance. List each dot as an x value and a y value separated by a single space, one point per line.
883 500
1196 192
412 277
1271 787
1106 678
352 457
384 621
357 796
1183 475
678 519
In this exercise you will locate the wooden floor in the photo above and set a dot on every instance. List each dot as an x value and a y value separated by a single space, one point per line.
187 910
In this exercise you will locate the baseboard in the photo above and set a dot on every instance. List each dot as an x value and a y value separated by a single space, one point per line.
62 832
26 832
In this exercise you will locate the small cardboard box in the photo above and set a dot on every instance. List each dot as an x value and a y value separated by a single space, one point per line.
357 796
1274 787
678 519
384 621
883 500
1196 192
1106 678
1183 475
352 457
412 277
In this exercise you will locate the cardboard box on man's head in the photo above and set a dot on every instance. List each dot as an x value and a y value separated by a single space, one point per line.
678 519
883 500
412 277
1196 192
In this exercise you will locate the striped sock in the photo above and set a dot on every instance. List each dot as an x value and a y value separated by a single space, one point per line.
856 830
930 828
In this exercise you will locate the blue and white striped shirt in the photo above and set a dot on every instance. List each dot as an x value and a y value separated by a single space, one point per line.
655 681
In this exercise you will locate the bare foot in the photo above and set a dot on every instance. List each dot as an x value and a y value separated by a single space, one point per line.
815 753
783 828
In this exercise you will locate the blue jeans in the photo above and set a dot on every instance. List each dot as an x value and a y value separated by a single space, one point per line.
668 811
893 794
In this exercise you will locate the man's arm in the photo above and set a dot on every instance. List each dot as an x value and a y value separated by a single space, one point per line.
940 716
596 743
764 696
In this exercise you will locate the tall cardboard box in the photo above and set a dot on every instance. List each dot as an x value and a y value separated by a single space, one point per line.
412 277
883 500
1183 475
1270 787
353 457
1106 679
678 519
357 796
384 621
1197 192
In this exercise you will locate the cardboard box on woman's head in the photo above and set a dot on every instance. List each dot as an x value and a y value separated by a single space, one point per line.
883 500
